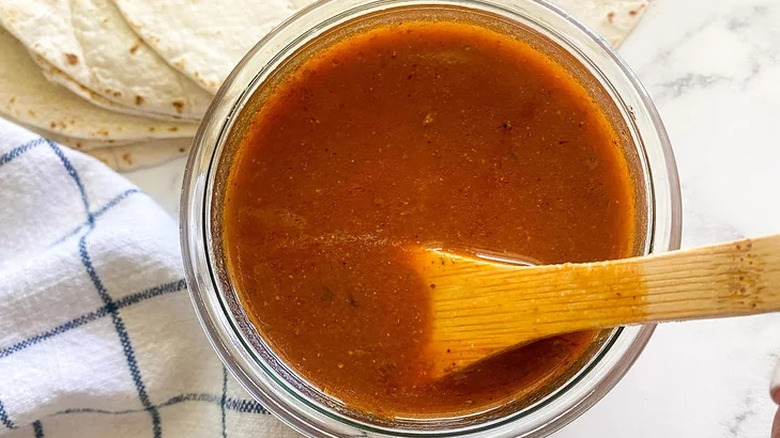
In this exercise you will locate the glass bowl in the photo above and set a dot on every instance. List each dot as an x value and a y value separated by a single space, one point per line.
264 375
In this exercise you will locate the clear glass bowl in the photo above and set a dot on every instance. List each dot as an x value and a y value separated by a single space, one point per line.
286 394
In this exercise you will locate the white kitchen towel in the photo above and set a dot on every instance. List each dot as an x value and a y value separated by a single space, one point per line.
97 334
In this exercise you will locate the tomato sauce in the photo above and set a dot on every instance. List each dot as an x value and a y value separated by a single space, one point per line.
416 134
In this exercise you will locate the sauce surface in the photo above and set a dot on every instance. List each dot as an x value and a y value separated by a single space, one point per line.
415 134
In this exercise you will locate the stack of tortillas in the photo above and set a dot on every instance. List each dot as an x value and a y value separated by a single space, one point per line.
128 80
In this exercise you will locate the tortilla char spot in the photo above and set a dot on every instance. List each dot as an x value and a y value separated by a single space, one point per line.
179 64
117 93
173 129
152 129
103 132
78 145
52 125
213 84
71 58
128 157
31 113
139 100
611 16
12 100
134 48
633 12
179 105
182 150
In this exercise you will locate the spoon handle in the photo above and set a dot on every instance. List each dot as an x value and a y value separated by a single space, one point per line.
485 307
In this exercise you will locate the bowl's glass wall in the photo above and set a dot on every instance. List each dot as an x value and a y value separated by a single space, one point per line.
286 394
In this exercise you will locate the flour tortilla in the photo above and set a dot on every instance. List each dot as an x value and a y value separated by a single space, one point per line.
612 19
57 76
90 42
72 142
205 39
140 155
122 155
27 96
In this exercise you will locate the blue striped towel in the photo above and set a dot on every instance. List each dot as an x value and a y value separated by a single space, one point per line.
97 334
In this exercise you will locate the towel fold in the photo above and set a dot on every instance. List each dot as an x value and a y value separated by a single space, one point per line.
97 334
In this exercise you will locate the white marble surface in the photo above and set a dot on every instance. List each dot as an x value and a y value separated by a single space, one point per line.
713 67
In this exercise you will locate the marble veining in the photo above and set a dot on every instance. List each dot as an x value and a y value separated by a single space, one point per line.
713 69
736 424
724 49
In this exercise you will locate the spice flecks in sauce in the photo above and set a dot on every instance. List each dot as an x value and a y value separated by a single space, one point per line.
406 135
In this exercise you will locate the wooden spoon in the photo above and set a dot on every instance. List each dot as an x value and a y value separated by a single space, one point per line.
481 307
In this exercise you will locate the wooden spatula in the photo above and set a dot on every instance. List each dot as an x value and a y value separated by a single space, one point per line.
481 307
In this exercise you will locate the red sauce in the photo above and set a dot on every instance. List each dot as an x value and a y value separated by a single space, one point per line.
413 134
